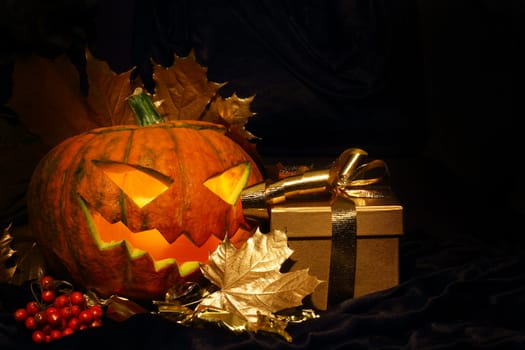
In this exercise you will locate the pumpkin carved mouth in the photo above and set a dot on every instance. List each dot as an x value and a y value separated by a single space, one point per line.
182 251
142 186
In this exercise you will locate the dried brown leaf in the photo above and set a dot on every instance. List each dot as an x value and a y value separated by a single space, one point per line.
47 98
183 89
233 110
108 92
20 257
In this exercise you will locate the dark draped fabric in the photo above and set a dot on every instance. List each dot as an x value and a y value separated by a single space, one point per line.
456 295
328 75
324 73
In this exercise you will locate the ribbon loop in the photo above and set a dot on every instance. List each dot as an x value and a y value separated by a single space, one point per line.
359 185
347 177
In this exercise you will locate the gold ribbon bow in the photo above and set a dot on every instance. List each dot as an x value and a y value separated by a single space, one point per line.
349 176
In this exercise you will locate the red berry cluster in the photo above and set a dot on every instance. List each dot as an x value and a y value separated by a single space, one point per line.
59 313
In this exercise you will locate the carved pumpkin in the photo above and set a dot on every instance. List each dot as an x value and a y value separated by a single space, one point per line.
133 210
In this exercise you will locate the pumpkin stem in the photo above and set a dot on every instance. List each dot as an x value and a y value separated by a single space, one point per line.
143 108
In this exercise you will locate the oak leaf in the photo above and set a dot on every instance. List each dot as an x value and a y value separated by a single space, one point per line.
249 281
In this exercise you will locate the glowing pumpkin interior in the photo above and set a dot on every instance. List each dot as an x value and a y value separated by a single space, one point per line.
142 186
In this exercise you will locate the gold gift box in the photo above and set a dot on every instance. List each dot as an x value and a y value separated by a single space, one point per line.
375 266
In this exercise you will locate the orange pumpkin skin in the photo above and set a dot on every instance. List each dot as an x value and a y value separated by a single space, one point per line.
69 188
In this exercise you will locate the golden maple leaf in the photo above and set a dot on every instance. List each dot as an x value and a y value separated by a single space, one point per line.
48 99
250 283
6 253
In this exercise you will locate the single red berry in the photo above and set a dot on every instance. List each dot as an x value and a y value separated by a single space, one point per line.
20 315
38 336
32 307
75 310
97 311
53 316
85 316
74 323
52 310
55 334
76 298
48 296
66 312
67 331
96 323
61 300
30 323
47 282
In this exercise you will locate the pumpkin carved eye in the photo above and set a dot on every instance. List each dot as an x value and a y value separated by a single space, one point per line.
141 185
229 184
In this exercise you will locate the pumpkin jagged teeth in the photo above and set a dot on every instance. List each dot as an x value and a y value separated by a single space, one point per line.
188 267
105 233
133 252
160 264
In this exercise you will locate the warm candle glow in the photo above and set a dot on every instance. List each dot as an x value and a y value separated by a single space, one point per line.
152 242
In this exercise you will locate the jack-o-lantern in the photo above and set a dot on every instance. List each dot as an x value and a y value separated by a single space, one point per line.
132 210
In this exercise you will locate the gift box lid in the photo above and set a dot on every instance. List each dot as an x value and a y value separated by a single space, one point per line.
374 217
